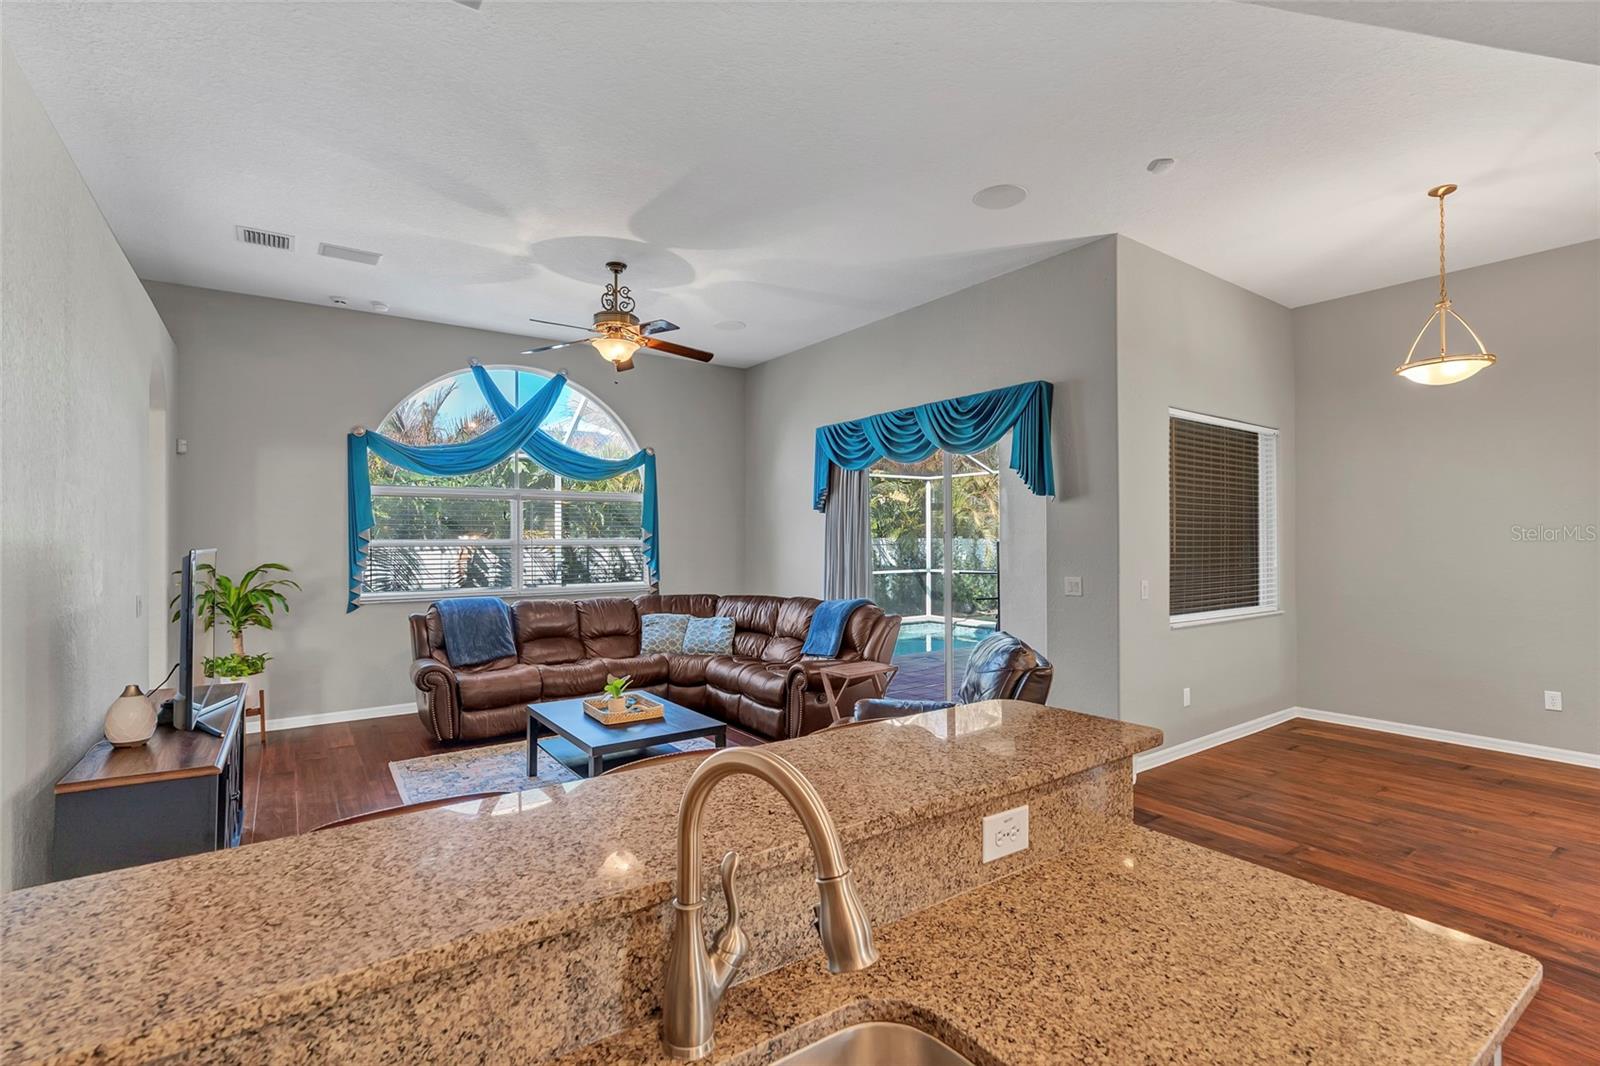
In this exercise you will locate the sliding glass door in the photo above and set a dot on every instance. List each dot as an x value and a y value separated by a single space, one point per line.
935 529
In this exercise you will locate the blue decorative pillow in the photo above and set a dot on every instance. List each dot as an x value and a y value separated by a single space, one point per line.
662 633
709 636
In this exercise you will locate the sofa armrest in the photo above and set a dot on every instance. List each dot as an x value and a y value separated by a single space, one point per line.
438 700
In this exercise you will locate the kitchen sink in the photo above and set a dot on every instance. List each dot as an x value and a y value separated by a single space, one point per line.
876 1044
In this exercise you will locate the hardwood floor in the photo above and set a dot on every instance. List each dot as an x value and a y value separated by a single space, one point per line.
303 778
1504 847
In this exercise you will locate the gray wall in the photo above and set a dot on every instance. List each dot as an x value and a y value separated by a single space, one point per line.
1054 320
1187 339
1419 602
268 390
82 350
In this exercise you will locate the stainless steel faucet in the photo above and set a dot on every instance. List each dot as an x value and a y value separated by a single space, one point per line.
696 978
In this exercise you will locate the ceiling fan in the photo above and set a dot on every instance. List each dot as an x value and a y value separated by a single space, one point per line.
618 333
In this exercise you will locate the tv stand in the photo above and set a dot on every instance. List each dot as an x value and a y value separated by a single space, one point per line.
180 793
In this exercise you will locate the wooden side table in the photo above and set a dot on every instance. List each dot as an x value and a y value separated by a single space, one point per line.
846 674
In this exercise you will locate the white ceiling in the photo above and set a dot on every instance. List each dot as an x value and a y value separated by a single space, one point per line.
805 168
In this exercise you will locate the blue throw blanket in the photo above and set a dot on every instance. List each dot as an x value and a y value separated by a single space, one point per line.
476 629
827 627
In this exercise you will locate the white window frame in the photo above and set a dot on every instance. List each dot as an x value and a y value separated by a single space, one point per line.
515 496
1269 598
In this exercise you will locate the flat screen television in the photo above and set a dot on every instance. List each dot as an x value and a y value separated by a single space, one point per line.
189 707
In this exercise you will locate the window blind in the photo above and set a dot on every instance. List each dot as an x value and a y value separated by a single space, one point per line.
1223 517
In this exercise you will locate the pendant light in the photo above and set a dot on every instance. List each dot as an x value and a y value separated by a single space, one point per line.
1444 368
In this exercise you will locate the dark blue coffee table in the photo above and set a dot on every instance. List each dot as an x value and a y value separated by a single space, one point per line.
588 748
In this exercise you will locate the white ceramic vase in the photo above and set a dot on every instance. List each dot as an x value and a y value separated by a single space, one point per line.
131 720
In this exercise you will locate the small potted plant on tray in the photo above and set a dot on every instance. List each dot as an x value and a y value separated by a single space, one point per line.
616 702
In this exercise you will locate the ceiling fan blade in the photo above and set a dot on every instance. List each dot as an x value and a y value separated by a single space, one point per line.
660 325
553 347
563 325
677 349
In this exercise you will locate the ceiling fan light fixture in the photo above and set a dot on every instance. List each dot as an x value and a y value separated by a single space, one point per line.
614 349
1447 367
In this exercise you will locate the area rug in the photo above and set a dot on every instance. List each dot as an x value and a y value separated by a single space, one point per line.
497 768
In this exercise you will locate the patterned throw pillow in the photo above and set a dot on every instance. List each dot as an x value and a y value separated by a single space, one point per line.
709 636
662 633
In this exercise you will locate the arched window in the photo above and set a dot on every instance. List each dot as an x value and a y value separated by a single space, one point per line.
516 528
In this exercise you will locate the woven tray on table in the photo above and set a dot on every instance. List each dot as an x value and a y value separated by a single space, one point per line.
639 709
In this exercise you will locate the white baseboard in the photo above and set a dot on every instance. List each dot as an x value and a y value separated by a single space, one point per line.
1149 760
354 714
1161 756
1450 736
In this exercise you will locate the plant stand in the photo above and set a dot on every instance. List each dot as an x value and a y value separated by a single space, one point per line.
257 711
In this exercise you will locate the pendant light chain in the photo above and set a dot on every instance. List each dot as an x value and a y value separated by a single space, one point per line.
1442 296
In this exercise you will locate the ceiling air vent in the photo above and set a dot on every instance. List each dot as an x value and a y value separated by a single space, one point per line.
354 255
265 238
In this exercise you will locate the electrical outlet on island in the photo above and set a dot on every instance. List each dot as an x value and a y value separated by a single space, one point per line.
1005 833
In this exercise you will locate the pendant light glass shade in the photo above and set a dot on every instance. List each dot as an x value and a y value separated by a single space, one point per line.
1447 367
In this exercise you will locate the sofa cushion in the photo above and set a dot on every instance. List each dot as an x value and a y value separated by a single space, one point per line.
709 636
564 681
762 682
755 618
641 670
662 633
481 689
697 604
687 669
609 628
789 630
547 632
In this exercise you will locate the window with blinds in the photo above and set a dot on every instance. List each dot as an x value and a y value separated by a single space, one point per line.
1223 538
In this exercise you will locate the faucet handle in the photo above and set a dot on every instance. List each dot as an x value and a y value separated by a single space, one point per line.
731 943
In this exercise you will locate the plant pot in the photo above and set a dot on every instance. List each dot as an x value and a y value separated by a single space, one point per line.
253 683
617 704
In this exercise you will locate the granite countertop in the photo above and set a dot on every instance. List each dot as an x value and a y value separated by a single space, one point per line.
140 957
1141 948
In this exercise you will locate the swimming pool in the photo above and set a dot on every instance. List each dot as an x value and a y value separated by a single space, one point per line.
918 638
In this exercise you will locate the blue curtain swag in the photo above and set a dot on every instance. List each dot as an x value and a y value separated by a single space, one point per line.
518 430
963 425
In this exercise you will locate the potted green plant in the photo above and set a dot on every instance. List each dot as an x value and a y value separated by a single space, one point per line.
615 687
252 600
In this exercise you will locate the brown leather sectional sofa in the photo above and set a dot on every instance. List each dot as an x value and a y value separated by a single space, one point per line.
565 649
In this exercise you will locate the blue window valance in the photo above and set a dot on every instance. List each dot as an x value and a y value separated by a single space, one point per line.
518 430
963 425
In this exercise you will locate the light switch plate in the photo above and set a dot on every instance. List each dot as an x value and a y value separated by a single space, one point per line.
1074 586
1144 588
1005 833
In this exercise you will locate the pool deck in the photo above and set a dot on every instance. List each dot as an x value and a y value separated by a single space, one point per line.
921 676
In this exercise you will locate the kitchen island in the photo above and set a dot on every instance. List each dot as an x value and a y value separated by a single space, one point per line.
1140 948
532 927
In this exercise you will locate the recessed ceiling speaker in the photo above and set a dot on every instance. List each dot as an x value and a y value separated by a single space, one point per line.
999 197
